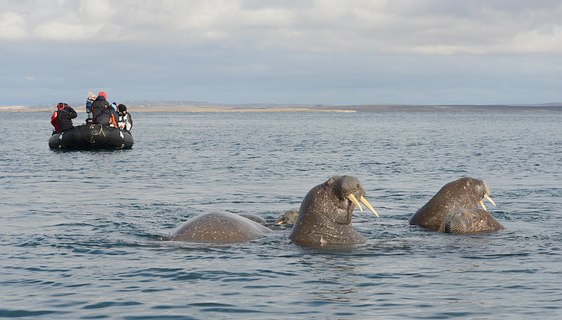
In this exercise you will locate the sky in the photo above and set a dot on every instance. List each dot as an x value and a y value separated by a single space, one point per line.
335 52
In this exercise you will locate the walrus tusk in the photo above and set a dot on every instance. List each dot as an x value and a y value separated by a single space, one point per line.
368 205
489 199
482 205
354 200
363 201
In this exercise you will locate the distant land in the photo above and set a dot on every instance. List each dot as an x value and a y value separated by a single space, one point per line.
189 106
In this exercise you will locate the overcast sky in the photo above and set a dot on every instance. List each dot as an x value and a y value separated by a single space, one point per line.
282 51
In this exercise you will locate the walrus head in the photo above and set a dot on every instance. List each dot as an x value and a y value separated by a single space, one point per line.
350 192
461 194
288 217
470 192
326 210
485 195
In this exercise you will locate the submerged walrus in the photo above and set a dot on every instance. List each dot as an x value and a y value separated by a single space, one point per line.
219 228
288 217
324 216
454 209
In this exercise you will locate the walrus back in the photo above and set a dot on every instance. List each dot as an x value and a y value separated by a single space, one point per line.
219 228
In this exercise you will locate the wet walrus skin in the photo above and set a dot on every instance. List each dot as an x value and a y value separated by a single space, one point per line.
454 209
219 228
470 221
325 213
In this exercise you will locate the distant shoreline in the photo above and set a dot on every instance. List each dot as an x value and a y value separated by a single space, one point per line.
173 109
160 107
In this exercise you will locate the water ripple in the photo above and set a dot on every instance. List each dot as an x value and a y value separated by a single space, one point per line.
83 243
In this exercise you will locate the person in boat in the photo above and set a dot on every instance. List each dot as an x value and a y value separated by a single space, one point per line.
61 119
89 101
107 117
125 121
114 106
102 111
98 106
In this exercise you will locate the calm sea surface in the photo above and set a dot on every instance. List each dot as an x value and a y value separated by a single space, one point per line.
81 232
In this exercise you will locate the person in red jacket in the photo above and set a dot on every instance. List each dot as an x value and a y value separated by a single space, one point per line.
61 119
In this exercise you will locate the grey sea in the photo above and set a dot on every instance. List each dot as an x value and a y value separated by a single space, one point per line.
82 233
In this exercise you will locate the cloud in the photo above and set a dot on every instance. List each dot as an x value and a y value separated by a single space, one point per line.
64 31
317 51
376 26
11 26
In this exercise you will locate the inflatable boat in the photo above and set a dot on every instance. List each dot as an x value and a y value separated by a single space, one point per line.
91 137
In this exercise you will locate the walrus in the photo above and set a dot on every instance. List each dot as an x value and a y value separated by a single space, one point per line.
223 228
288 217
324 217
255 218
454 209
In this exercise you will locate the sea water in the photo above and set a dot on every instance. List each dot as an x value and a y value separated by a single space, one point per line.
81 232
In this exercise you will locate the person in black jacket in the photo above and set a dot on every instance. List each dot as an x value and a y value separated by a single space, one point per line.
107 117
61 119
98 107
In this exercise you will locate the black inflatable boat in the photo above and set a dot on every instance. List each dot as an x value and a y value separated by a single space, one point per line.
91 137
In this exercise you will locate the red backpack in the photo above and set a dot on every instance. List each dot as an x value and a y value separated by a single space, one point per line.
55 121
